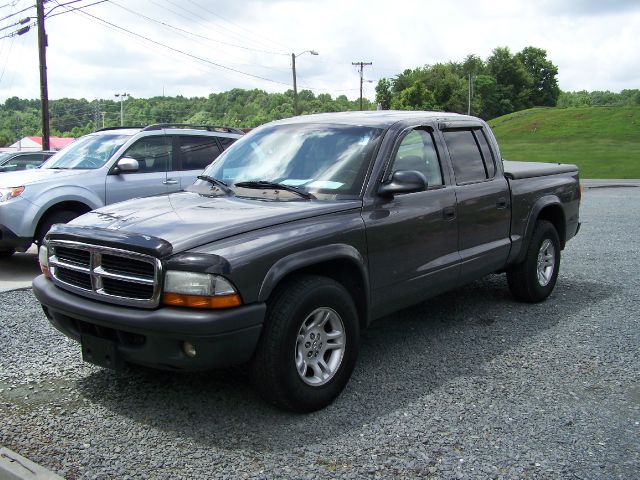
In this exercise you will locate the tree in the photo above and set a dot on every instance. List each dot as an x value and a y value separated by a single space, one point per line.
383 94
513 78
544 87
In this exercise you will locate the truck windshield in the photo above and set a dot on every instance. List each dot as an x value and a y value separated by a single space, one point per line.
316 158
89 152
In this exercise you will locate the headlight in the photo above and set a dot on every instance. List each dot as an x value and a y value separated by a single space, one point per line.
9 193
199 290
43 258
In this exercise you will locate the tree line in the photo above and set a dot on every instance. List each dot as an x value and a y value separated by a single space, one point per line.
501 84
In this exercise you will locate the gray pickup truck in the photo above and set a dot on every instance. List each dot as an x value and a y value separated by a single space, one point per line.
296 238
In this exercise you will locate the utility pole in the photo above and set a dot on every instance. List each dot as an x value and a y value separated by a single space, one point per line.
295 84
44 90
103 114
362 65
121 96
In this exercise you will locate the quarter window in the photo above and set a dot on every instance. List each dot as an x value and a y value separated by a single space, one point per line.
417 151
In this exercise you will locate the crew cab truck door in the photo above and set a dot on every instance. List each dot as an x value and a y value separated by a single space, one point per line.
154 157
413 237
195 154
483 202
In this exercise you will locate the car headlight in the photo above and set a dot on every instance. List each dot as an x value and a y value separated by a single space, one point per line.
198 290
9 193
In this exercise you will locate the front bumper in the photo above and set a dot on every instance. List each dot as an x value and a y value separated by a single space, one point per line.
8 239
155 337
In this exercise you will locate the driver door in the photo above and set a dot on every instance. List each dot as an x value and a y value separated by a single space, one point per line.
155 157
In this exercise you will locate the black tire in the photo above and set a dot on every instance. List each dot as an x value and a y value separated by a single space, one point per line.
525 282
273 367
60 216
7 252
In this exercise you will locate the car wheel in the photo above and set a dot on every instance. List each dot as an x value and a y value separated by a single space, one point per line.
7 252
309 344
534 279
61 216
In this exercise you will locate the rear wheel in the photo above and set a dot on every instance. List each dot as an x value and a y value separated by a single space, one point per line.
534 279
7 252
309 344
60 216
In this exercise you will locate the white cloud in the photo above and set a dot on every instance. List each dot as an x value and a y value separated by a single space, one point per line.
591 42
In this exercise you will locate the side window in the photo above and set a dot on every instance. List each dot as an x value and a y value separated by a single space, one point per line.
465 156
417 151
486 153
152 153
198 152
226 142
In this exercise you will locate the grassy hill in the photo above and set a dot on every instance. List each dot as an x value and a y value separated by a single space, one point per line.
603 141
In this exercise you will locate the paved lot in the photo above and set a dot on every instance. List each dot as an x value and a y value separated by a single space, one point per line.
19 270
470 384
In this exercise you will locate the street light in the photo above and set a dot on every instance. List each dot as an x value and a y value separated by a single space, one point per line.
121 96
295 86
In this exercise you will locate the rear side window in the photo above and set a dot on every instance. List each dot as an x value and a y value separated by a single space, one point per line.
470 154
198 152
226 142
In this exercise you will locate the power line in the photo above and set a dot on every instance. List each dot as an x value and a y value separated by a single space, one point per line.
17 13
239 26
218 65
192 33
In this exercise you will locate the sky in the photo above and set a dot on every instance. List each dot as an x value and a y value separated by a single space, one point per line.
196 47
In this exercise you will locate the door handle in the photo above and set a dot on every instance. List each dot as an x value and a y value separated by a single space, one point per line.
501 203
449 213
170 182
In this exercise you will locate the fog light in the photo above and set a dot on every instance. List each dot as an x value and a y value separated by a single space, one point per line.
188 349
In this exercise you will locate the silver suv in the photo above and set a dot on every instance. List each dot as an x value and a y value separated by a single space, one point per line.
107 166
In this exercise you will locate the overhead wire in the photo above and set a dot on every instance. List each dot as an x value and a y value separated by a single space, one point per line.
160 22
210 62
238 26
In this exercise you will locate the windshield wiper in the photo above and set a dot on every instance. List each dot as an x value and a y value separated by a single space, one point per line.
275 186
218 183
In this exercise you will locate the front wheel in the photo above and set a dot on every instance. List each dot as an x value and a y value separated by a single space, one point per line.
534 279
309 344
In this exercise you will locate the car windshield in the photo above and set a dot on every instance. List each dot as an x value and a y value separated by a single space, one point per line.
4 157
315 158
89 152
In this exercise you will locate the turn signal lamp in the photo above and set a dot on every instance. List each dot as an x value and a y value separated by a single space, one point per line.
43 259
199 290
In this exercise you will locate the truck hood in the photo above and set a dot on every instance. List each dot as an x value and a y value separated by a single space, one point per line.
187 219
36 175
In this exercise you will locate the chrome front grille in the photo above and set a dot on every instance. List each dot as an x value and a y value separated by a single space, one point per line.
104 273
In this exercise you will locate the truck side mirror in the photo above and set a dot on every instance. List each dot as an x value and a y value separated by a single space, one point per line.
403 181
126 165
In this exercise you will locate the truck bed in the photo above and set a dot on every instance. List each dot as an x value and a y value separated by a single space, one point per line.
517 170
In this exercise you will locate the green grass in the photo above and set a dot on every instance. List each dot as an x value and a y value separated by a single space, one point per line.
603 141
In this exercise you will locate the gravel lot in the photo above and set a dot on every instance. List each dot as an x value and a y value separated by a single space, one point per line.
470 384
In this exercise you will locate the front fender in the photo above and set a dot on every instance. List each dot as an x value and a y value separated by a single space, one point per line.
307 258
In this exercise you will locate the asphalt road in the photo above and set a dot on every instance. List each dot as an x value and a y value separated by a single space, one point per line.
470 384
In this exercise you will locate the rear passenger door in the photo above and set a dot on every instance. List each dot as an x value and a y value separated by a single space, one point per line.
155 156
195 154
483 203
